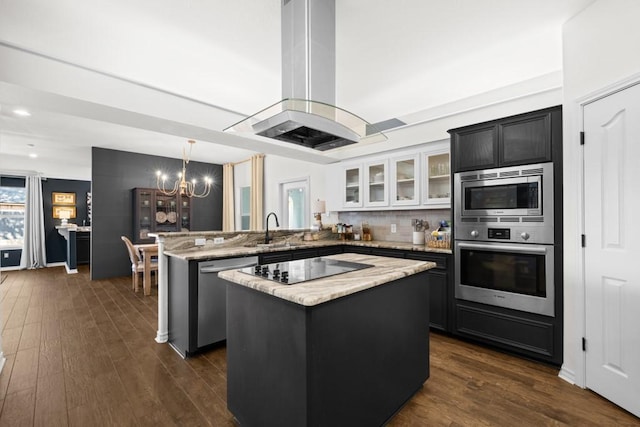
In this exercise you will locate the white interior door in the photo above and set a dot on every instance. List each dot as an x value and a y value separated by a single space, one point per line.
612 252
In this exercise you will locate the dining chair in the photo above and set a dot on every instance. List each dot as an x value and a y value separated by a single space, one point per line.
137 264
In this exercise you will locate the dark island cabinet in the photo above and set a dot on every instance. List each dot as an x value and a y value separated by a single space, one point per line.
516 140
440 289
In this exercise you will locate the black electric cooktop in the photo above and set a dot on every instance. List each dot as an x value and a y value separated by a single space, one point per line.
303 270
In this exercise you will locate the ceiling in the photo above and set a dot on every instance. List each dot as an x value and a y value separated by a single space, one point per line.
213 63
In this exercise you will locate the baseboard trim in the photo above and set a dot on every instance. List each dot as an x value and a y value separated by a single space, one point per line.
567 375
70 270
56 264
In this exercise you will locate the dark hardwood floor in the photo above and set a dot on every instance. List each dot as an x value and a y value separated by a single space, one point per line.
82 353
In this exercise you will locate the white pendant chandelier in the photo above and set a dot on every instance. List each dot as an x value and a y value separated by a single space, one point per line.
181 186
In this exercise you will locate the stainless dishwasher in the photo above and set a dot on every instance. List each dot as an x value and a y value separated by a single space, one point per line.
212 298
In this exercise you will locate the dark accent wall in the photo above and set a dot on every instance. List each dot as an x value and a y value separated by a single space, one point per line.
113 175
55 243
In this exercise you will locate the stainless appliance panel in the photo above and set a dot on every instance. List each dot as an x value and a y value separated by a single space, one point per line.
515 276
212 298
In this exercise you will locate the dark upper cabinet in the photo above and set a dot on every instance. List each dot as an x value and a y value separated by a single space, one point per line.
475 147
517 140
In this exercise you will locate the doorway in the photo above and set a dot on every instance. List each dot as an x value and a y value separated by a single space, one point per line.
611 278
294 203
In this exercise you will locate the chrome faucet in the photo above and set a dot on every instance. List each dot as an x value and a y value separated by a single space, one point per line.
266 235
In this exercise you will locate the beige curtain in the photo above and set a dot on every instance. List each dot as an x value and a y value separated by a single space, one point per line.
228 210
257 187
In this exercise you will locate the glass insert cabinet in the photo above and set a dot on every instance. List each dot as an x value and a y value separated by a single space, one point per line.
377 187
352 185
437 179
155 212
406 179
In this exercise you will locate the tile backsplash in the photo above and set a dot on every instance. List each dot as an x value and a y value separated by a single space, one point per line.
380 222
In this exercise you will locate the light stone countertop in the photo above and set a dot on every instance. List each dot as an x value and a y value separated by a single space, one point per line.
236 247
318 291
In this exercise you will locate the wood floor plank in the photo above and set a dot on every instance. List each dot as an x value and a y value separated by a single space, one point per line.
25 371
30 337
18 313
51 404
11 340
18 408
50 358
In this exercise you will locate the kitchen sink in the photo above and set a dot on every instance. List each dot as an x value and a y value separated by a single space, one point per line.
273 245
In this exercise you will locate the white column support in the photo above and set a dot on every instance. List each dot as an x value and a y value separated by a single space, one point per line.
162 335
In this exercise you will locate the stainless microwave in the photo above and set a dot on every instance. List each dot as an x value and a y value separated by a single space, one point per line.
505 204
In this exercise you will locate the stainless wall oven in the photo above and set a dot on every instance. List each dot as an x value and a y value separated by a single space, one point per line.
515 276
504 237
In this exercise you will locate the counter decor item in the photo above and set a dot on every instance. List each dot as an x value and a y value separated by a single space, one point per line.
318 207
441 237
419 227
366 231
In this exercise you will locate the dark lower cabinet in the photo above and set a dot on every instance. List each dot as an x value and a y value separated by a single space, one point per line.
83 247
530 335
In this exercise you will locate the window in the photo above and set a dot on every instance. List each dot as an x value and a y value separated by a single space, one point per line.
12 203
245 207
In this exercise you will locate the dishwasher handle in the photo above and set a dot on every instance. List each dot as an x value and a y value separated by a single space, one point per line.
227 267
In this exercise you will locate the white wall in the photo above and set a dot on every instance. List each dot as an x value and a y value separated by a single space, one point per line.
601 46
278 169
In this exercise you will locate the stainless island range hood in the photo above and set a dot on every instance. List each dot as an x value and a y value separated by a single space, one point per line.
306 116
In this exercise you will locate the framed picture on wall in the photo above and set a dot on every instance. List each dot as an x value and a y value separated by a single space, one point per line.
63 198
64 212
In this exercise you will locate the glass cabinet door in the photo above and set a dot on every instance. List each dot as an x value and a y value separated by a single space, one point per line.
166 213
185 213
377 188
144 201
352 184
437 181
405 189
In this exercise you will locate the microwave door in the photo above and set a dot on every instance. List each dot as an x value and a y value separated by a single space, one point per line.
506 196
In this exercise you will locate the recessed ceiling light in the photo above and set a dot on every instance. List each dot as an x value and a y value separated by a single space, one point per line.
33 155
23 113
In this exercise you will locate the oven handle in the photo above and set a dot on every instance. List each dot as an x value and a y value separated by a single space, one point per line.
504 248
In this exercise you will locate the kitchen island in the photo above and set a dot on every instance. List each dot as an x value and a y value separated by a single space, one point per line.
349 349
